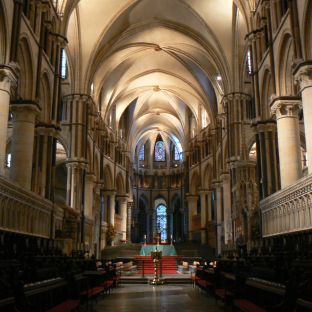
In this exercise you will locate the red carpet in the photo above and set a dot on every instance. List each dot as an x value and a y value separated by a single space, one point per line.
169 264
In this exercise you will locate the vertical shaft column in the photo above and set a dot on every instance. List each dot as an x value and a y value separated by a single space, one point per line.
7 78
303 75
74 184
22 145
192 210
219 216
123 200
267 144
129 219
226 185
112 208
203 216
89 198
44 160
286 111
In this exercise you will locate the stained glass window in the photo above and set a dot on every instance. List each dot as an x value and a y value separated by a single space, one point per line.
141 153
176 153
63 64
8 160
177 149
249 62
161 217
160 153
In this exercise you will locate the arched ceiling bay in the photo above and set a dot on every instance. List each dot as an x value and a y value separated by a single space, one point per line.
158 58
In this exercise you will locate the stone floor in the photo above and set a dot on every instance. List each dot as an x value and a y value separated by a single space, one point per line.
143 298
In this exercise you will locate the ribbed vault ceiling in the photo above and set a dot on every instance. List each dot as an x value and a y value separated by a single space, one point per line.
159 59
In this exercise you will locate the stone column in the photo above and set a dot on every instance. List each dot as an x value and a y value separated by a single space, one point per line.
268 170
303 74
129 219
43 169
209 194
74 183
192 211
24 115
219 199
123 201
203 216
111 219
226 185
286 110
88 198
7 78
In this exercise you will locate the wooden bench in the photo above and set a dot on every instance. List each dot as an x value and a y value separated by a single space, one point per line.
204 279
224 286
259 294
303 305
247 306
50 295
7 304
66 306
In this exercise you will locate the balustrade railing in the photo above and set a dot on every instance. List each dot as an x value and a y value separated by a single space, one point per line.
23 211
288 210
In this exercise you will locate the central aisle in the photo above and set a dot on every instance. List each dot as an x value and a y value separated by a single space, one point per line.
147 298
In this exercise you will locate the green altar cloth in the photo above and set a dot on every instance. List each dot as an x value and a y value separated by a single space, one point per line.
167 250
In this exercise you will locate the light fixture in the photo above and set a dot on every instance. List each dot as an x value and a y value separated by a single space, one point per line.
218 78
156 89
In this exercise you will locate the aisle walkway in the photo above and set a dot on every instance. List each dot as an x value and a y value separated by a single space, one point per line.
147 298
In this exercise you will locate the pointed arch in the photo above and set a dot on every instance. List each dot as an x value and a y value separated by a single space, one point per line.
207 177
3 35
108 178
307 28
266 93
45 98
25 61
120 185
286 84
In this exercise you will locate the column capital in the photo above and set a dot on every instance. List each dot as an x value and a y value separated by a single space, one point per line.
24 110
264 125
285 106
251 37
110 193
216 183
8 75
202 191
47 129
191 197
122 198
77 97
225 176
235 96
303 74
76 163
90 177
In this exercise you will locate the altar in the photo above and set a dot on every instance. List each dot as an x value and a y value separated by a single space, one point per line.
167 250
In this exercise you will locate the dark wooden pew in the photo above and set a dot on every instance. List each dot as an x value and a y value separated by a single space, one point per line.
50 295
259 295
7 305
224 287
204 279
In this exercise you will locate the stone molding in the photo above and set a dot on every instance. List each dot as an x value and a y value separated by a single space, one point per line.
288 210
24 211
